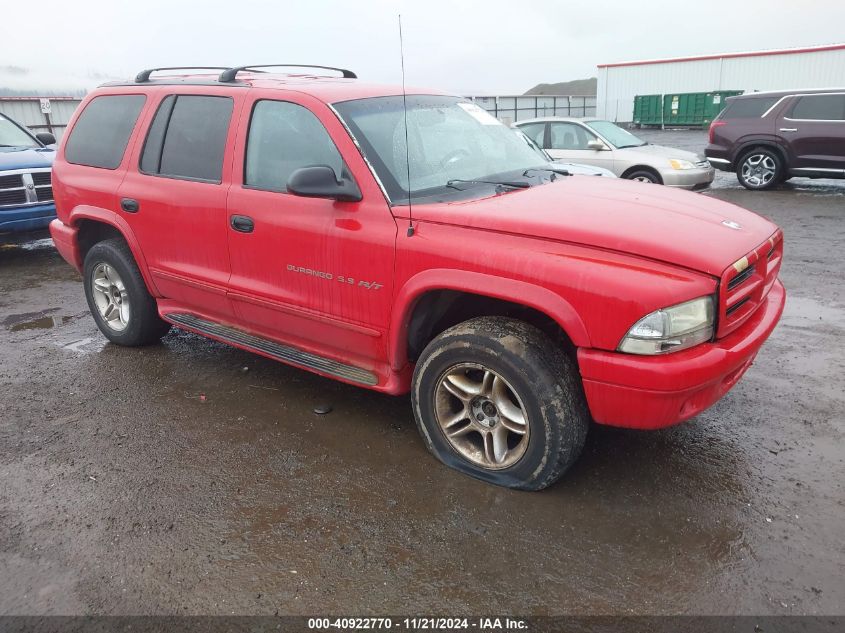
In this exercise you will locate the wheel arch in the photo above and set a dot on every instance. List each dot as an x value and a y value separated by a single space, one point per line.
93 224
648 168
431 300
750 146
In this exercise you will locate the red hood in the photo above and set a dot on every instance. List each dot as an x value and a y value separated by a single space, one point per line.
677 227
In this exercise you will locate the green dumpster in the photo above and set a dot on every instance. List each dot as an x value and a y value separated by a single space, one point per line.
647 110
694 109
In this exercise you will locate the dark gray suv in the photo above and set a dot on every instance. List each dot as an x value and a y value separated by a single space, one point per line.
767 138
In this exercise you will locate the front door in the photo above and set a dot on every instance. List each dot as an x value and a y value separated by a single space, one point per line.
568 142
314 273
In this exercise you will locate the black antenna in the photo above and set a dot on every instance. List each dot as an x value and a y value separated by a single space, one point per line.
405 115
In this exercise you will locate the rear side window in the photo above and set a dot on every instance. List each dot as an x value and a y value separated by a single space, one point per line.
819 107
187 138
102 131
284 137
748 108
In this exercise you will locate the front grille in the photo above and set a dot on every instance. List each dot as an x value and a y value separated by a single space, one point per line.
745 284
739 278
737 306
704 164
26 188
40 178
9 182
12 196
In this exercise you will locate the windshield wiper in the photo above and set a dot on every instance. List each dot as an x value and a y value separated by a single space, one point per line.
561 171
514 184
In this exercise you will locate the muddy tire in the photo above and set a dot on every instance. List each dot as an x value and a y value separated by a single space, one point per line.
760 169
497 399
117 296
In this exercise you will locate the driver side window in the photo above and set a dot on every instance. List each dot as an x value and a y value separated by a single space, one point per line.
569 136
284 137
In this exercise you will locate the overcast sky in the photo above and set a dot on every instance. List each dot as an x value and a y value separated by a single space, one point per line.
469 47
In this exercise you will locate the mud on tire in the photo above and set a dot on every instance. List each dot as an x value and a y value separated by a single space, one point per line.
534 375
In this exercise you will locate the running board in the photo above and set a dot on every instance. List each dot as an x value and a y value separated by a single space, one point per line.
277 351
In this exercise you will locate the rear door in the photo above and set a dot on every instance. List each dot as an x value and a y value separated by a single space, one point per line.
814 126
174 197
567 141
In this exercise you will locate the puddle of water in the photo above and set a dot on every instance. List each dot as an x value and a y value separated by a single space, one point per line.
44 323
33 320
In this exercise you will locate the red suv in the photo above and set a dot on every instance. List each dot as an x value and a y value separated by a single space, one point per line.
767 138
284 214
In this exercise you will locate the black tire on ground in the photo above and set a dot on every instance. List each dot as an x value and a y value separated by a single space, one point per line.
143 326
760 169
543 378
645 175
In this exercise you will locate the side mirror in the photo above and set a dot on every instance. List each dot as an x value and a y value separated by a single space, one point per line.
596 144
45 138
320 181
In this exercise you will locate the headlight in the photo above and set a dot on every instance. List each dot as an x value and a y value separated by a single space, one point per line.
677 163
671 329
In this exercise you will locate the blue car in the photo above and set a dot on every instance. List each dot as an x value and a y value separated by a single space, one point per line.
26 192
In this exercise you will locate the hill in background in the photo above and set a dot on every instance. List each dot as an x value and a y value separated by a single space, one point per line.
578 87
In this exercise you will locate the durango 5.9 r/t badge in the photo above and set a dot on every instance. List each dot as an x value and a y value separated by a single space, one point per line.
344 279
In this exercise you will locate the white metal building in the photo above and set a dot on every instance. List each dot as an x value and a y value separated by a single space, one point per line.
41 114
784 69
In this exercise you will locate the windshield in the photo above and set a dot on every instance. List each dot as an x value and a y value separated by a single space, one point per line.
450 141
13 136
615 135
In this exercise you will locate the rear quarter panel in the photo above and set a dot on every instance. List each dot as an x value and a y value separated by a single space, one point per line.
90 193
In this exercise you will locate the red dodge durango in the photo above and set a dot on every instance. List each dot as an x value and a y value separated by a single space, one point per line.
411 244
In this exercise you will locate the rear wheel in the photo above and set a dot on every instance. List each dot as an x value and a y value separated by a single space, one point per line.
760 169
117 296
497 399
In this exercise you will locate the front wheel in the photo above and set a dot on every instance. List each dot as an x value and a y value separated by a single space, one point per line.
497 399
644 175
760 169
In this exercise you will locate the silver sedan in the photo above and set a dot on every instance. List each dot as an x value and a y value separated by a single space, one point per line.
604 144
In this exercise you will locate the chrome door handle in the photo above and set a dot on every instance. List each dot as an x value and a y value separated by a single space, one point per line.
789 129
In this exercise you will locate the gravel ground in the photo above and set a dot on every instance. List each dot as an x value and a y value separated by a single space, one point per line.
194 478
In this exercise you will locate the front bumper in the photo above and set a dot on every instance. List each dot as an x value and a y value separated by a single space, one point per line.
697 178
26 218
652 392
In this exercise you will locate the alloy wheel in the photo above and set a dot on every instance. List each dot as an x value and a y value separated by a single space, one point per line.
110 296
481 416
758 170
